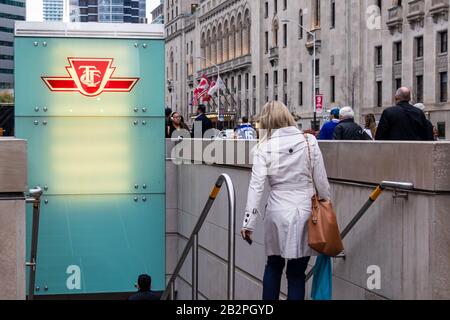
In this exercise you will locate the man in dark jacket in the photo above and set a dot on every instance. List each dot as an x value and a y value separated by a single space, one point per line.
201 123
403 122
347 129
144 293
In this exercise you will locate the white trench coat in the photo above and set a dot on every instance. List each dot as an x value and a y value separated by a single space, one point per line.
283 160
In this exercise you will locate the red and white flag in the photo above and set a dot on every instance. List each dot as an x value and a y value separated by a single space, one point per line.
201 92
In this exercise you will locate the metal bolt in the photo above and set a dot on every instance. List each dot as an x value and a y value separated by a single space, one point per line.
144 45
36 122
136 45
44 44
46 288
36 109
35 44
144 199
45 188
46 201
136 109
37 288
144 122
144 186
136 186
144 109
135 199
44 123
45 109
135 122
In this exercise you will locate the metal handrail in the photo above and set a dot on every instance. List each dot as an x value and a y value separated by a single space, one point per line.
372 198
34 197
193 243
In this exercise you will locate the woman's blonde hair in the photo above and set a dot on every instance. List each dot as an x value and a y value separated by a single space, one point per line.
274 115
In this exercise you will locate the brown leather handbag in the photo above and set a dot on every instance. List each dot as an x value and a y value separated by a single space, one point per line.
323 230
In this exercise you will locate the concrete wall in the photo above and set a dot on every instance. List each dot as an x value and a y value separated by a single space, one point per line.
408 239
13 183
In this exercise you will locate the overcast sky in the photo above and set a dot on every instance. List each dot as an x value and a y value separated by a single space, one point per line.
34 9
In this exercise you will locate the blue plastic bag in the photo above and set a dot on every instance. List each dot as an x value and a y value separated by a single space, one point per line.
322 286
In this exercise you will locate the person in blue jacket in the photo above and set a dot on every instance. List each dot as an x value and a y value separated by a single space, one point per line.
326 133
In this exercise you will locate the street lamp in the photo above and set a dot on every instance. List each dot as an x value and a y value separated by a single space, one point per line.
218 77
314 67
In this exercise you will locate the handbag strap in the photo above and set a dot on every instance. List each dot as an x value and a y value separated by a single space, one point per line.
311 165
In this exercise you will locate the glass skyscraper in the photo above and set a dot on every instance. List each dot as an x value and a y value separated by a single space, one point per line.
112 11
10 10
53 10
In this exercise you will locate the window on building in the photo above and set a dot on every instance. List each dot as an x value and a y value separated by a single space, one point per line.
398 84
332 89
266 80
266 42
443 81
285 35
300 22
316 15
443 39
254 82
266 10
419 47
419 88
317 67
333 14
239 84
441 130
398 51
379 55
300 93
275 6
284 4
275 78
379 94
285 77
246 81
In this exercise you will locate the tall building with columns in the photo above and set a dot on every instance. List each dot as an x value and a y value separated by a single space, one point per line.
365 50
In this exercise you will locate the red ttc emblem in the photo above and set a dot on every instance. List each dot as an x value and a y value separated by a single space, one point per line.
90 77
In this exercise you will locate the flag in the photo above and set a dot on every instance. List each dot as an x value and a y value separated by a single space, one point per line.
219 84
201 92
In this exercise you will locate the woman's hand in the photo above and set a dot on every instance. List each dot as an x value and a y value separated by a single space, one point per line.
247 235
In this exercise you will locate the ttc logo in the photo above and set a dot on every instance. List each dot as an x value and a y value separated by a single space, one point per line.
90 77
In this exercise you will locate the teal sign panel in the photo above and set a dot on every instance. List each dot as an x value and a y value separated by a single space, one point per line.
92 111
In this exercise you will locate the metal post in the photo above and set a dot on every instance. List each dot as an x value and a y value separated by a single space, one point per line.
172 290
195 268
35 199
314 80
231 239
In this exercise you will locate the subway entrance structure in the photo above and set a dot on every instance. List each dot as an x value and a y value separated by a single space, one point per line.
89 99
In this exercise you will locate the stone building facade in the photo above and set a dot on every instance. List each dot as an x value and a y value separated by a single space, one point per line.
365 49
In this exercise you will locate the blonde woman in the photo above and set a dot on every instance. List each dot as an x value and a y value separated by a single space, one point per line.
282 157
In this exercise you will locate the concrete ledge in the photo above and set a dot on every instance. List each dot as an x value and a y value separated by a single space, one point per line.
13 165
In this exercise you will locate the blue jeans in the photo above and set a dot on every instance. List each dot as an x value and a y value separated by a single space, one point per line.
295 274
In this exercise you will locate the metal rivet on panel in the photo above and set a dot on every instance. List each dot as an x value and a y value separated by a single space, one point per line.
144 186
46 288
36 109
135 199
37 288
44 123
36 122
135 45
44 44
35 44
136 186
144 122
136 109
144 109
144 199
144 45
46 201
135 122
45 109
45 188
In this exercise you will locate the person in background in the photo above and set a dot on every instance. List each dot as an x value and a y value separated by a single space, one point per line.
168 113
326 133
347 129
176 123
201 121
245 131
370 126
144 285
430 128
403 122
284 157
